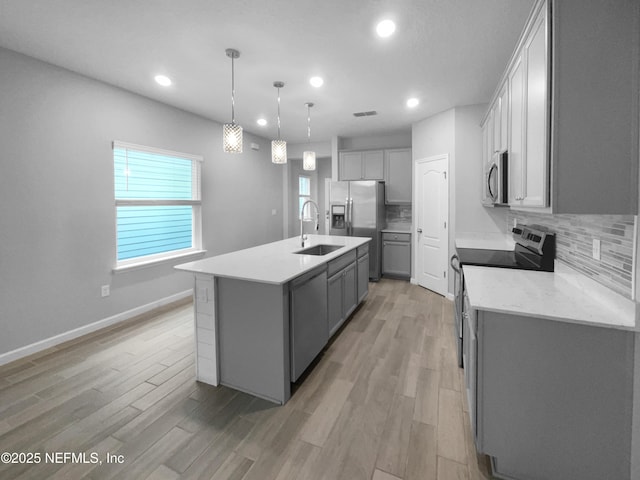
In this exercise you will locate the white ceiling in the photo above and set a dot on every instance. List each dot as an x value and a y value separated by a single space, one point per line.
445 52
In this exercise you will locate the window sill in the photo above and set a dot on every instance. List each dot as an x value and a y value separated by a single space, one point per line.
152 263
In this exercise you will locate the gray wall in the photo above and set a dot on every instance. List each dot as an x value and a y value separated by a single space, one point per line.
457 132
471 216
57 217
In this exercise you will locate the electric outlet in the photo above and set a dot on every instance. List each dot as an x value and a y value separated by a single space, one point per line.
105 290
596 249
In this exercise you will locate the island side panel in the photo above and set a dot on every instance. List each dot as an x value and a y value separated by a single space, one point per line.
205 329
556 398
253 337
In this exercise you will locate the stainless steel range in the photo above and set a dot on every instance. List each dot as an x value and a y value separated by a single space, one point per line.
534 250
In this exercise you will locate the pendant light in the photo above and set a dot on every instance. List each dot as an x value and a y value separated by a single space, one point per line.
309 157
232 132
279 146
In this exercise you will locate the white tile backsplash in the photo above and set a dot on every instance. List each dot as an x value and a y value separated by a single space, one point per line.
574 241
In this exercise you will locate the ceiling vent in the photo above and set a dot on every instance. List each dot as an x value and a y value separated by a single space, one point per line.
365 114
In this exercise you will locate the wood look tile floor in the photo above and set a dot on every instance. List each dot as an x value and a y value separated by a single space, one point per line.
383 402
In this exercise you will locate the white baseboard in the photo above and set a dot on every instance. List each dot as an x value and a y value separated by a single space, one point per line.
36 347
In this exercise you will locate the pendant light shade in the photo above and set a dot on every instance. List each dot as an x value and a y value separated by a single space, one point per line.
309 160
232 132
232 138
279 146
309 157
279 151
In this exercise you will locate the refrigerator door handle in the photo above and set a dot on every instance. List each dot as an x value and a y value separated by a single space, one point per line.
350 217
346 219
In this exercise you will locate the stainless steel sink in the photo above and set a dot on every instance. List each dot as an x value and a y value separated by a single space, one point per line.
321 249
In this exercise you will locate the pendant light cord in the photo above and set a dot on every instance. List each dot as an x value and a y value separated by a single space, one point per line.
309 123
233 93
278 113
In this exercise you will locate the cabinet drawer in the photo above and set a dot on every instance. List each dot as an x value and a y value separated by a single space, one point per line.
341 262
396 237
363 249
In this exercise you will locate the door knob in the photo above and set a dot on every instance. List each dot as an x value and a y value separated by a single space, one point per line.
419 230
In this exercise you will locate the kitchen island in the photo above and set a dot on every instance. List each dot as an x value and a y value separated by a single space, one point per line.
263 314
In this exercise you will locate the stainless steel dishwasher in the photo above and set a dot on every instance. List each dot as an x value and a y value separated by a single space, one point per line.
309 331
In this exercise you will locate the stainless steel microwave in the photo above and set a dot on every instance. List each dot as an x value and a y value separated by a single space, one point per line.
496 180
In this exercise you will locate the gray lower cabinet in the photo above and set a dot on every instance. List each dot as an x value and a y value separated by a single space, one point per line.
550 399
342 289
396 254
334 302
308 317
363 277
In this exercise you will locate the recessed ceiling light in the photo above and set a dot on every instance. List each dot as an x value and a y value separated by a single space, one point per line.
163 80
413 102
261 121
385 28
316 81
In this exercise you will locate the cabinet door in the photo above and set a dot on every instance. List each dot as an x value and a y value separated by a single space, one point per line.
363 277
497 127
516 131
373 165
334 302
535 172
350 165
486 141
489 132
396 258
398 176
350 289
504 118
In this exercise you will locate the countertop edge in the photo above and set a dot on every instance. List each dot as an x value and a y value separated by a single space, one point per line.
314 261
564 280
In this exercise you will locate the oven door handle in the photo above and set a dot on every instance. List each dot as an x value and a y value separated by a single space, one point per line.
455 258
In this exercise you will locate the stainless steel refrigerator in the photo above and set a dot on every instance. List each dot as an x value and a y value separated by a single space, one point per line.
357 209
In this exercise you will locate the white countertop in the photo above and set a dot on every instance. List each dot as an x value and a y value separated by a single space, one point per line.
485 241
564 295
273 262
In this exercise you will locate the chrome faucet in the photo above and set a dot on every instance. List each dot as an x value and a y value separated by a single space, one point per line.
302 235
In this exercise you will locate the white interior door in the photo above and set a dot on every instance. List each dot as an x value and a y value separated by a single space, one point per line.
432 223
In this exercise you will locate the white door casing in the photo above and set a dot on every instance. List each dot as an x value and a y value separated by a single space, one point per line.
432 223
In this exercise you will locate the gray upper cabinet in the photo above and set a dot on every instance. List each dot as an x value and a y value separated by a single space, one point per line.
398 176
361 165
572 109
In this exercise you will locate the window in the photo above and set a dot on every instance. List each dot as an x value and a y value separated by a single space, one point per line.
157 198
304 194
